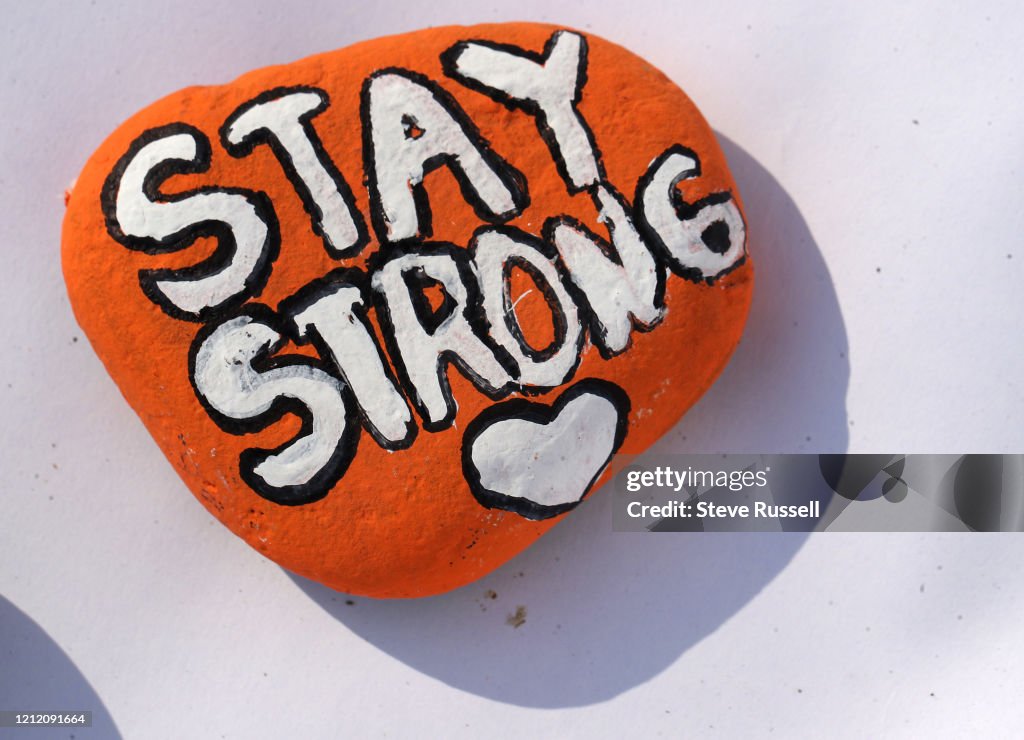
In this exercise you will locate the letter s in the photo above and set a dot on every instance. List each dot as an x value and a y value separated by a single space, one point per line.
142 218
245 389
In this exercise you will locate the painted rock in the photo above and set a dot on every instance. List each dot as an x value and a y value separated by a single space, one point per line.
390 310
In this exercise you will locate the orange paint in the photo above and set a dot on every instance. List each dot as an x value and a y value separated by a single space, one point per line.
402 523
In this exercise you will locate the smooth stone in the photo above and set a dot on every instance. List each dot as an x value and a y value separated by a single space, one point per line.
273 270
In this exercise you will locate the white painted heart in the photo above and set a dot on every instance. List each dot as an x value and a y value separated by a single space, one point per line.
540 461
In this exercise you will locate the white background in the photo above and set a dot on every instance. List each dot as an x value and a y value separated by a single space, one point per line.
878 147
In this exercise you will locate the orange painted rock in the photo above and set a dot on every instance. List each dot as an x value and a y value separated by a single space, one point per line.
390 310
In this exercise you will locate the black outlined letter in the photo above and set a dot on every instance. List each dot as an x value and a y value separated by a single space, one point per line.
547 86
411 126
423 340
702 240
621 282
140 217
496 252
331 313
244 389
282 119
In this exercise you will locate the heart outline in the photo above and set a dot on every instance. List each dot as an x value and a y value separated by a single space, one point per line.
541 414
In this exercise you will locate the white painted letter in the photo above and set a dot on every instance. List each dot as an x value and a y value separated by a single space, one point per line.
140 217
281 119
495 254
424 342
225 380
620 281
338 318
702 240
415 127
548 87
